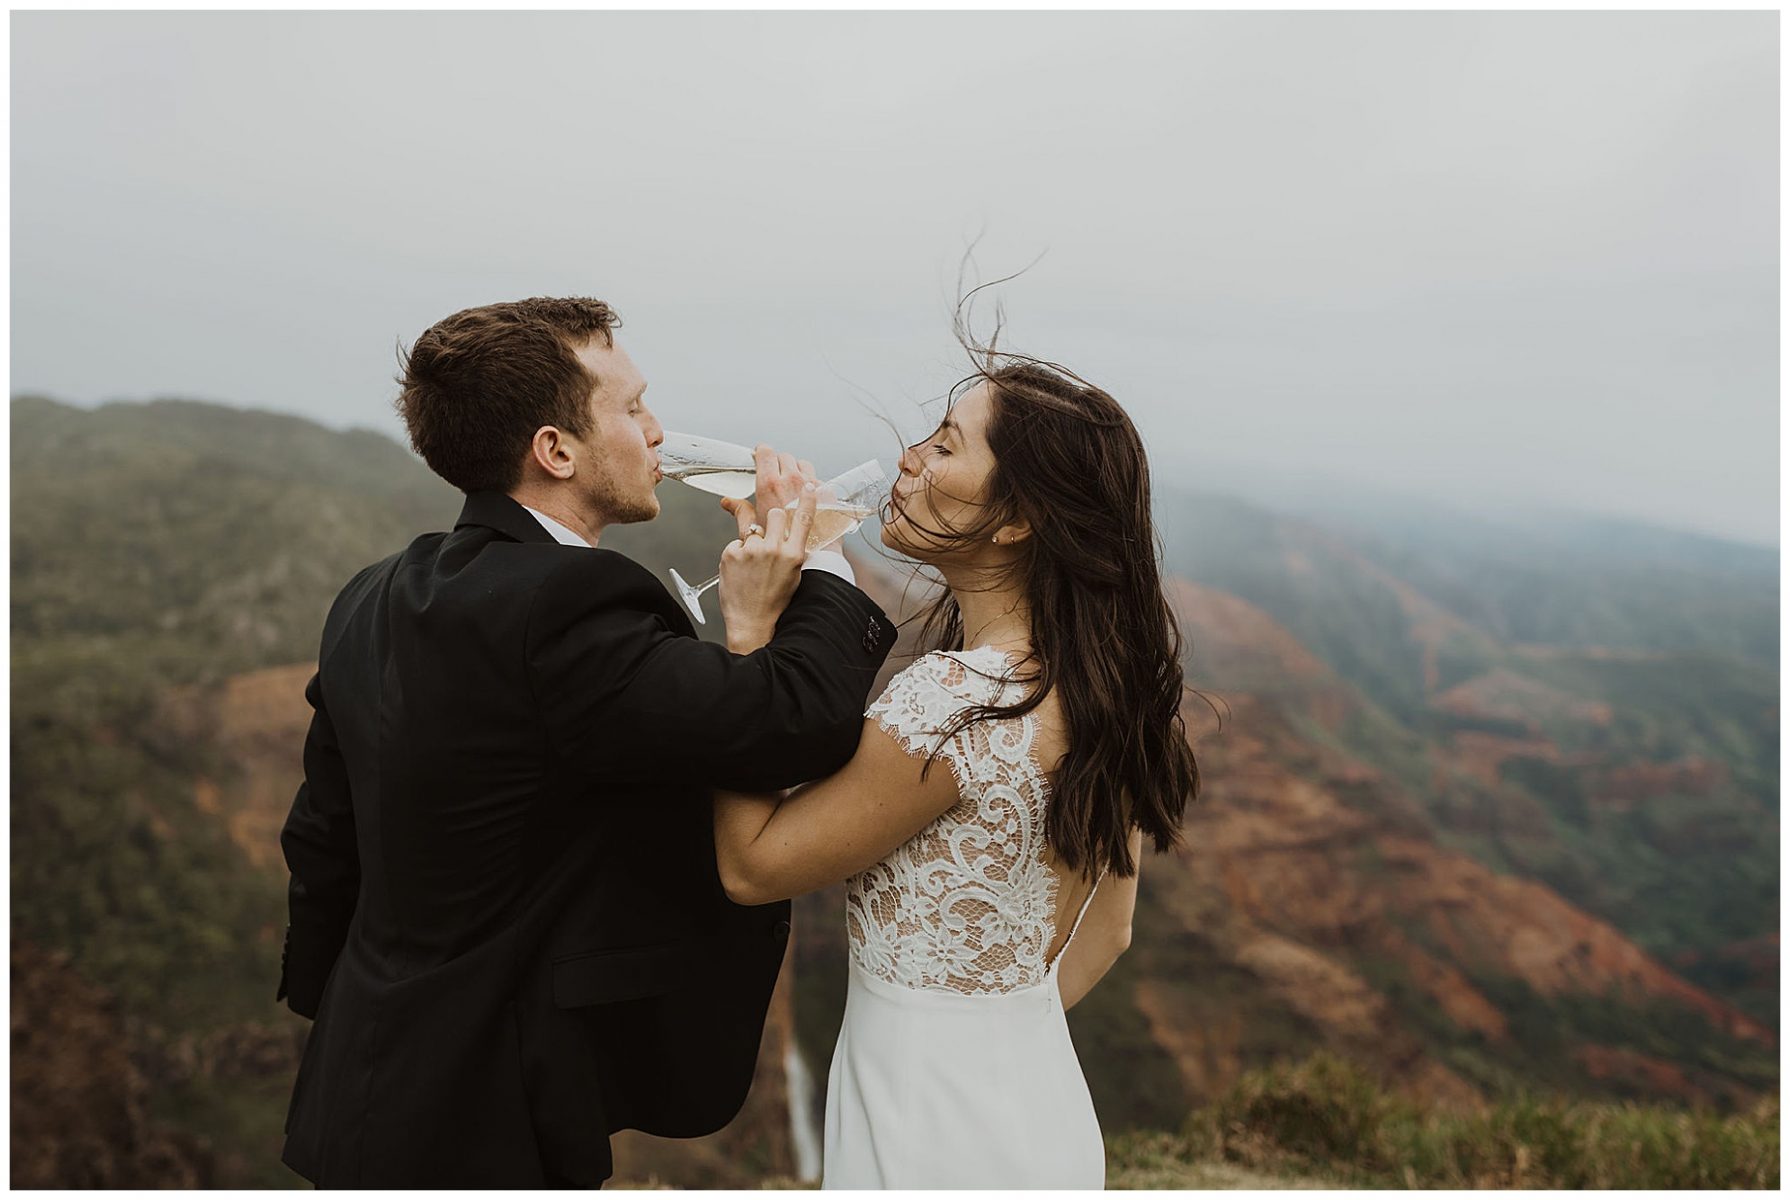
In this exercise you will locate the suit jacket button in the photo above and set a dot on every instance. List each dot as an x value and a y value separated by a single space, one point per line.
780 930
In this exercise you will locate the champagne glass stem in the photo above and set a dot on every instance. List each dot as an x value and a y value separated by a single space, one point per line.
692 596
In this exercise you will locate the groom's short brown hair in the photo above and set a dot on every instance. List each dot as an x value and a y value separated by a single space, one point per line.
478 384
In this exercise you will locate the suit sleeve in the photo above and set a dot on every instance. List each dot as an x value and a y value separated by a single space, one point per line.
319 843
628 699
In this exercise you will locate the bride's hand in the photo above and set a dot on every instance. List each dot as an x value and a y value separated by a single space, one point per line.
760 570
780 479
779 483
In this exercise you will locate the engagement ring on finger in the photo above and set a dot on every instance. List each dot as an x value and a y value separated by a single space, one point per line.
755 530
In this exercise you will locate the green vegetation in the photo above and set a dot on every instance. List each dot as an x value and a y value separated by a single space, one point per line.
1678 705
112 861
1545 1030
1676 871
1563 786
243 1121
1325 1117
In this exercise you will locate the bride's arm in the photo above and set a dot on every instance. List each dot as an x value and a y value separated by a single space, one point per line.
1104 932
771 848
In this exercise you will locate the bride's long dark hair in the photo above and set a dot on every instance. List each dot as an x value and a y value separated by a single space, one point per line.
1068 460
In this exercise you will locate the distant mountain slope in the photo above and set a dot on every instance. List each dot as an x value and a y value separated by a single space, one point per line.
1638 778
200 524
1523 576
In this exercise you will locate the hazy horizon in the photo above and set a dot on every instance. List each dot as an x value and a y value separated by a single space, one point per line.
1497 259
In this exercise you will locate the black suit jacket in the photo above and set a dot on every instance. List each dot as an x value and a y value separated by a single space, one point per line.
505 916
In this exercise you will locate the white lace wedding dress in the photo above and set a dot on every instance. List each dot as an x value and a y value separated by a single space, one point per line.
954 1066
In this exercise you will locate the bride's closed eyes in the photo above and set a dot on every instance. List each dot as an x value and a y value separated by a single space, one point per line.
936 441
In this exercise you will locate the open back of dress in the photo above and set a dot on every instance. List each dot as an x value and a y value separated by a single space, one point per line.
970 902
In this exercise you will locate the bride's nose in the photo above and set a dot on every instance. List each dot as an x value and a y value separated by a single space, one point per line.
910 462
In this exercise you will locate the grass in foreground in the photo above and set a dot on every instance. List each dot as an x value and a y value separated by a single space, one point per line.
1327 1117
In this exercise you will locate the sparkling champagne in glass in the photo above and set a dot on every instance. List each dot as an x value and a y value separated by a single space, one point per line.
714 466
841 505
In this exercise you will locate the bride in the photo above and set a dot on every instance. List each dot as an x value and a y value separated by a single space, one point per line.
984 899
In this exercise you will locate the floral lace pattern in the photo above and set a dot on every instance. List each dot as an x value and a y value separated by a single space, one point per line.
968 903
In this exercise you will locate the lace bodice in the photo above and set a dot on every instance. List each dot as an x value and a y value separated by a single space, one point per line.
968 903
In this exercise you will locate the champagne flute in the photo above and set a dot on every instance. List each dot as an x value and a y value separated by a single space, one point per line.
709 464
841 505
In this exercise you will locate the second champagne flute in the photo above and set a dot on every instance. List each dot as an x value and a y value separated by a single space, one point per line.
841 505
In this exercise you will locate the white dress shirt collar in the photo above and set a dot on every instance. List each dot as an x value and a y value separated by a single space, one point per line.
560 533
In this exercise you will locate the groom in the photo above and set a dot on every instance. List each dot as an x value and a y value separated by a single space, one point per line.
505 918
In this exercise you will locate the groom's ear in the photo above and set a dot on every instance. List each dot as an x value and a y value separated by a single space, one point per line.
551 451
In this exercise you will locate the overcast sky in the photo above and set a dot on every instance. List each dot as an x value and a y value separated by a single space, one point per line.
1477 256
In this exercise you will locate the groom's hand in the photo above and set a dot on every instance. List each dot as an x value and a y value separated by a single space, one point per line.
760 570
